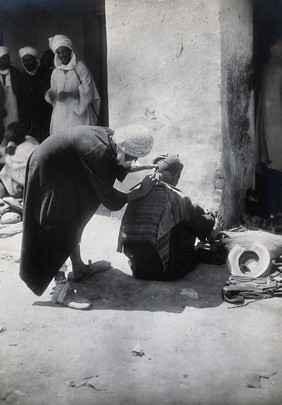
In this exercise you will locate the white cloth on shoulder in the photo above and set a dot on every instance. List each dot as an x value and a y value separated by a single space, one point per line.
12 174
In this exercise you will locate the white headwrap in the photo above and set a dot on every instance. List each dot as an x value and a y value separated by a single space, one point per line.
4 51
28 50
134 140
59 40
56 42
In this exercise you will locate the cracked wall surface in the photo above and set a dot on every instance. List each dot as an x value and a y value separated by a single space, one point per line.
237 103
165 71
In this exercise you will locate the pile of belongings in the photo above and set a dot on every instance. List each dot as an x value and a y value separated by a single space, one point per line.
10 211
255 265
272 224
239 288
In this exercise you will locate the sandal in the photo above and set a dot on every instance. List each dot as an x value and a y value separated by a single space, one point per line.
63 294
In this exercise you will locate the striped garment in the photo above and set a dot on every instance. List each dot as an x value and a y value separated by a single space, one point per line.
151 218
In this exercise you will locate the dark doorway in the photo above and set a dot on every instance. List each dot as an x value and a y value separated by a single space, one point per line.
267 199
32 22
267 29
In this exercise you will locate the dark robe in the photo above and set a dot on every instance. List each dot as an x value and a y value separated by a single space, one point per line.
3 112
67 178
35 113
15 80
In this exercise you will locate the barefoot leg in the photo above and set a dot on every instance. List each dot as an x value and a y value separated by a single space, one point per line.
79 269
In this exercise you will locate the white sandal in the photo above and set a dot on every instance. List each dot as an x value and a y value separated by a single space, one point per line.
65 295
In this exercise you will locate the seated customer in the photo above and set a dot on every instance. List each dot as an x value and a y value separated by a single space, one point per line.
158 232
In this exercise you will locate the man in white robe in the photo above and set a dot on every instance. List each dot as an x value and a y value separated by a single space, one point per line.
9 91
73 92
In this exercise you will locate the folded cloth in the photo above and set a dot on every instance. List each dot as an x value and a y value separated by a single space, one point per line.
14 204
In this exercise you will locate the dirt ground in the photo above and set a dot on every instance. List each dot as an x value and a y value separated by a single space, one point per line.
197 348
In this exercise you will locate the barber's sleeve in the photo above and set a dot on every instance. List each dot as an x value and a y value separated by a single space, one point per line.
99 170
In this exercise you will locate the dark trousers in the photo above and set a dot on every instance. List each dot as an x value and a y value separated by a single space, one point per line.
144 258
146 264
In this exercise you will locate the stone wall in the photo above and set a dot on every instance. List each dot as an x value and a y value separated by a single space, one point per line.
165 65
237 103
164 71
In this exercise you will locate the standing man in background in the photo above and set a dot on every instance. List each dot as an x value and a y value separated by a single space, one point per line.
73 93
9 91
35 112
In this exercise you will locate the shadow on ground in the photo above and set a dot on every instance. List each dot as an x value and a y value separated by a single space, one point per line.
116 290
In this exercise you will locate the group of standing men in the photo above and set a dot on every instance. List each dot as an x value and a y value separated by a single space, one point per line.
49 94
22 93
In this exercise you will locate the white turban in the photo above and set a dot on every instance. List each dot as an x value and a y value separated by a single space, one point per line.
4 51
59 40
134 140
28 50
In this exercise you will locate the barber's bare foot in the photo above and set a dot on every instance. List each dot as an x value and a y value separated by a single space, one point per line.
82 271
79 272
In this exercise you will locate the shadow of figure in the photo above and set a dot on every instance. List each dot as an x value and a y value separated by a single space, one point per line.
116 290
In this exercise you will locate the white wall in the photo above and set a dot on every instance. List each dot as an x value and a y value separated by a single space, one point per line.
165 64
164 71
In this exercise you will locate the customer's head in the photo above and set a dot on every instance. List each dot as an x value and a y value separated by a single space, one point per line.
169 168
132 141
4 58
61 45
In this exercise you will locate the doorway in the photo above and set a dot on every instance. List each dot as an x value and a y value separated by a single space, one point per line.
266 201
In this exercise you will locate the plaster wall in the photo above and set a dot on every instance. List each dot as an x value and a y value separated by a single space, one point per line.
237 103
164 71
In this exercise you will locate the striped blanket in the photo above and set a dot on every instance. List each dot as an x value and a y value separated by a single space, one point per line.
151 218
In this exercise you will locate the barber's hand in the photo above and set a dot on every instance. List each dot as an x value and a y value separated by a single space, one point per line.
158 158
152 166
137 168
148 183
146 186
